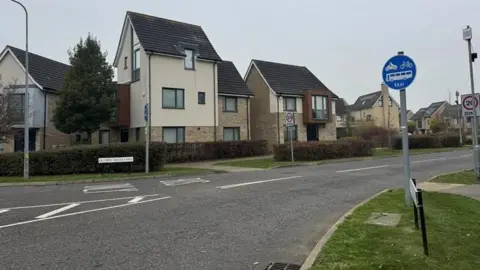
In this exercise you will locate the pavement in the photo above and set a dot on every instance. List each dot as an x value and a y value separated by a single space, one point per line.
218 221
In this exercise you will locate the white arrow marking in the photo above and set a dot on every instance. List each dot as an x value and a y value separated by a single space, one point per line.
136 199
4 210
65 208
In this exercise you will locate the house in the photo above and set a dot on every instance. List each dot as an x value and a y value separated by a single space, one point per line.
377 108
409 114
453 118
46 78
281 88
194 96
418 119
435 111
342 113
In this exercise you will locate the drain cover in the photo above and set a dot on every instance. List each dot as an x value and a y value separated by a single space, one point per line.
283 266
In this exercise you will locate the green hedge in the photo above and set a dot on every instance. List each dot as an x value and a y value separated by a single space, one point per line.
84 159
428 141
312 151
188 152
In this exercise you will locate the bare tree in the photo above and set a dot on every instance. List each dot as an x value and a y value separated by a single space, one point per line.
6 106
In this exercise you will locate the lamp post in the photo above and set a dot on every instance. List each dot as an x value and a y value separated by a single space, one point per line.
459 118
467 36
26 137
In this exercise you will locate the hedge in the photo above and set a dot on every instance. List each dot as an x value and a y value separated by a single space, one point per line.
188 152
83 159
312 151
428 141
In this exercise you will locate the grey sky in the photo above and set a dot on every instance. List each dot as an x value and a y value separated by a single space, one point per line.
344 42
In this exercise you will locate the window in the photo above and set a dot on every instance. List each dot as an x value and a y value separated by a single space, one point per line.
189 60
290 104
369 117
201 97
173 134
230 104
173 98
136 65
16 107
124 135
320 107
419 124
380 102
291 132
231 134
125 62
137 134
390 102
104 137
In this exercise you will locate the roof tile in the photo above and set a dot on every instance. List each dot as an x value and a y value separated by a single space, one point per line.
230 81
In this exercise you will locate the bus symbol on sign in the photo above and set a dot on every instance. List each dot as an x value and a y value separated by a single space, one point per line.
399 72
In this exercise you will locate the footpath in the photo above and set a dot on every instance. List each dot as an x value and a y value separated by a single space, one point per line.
472 191
211 165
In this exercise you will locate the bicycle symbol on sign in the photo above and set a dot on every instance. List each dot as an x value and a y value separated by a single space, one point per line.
406 64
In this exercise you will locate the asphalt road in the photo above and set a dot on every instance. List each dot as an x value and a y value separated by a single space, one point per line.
218 221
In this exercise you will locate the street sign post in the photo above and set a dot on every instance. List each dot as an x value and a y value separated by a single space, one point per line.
290 122
145 112
398 73
469 103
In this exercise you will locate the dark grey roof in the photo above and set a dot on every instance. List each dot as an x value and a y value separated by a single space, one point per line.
452 111
160 35
289 79
230 81
341 106
365 101
49 73
433 108
419 114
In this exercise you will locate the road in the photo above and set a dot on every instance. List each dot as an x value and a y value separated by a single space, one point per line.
218 221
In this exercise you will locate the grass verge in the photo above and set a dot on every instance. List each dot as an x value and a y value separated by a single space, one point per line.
452 229
171 171
464 178
379 153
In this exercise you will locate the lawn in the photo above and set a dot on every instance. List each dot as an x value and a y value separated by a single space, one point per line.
171 171
379 153
465 178
452 229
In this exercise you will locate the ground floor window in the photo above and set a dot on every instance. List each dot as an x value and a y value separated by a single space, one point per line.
291 132
231 134
173 134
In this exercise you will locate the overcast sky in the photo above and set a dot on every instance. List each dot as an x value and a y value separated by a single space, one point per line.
344 42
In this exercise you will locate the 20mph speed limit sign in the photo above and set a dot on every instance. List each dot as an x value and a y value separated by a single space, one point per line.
289 119
469 103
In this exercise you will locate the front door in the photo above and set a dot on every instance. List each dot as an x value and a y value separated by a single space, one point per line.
312 133
19 141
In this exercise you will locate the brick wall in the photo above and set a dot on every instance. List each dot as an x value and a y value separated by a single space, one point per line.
233 119
53 137
263 123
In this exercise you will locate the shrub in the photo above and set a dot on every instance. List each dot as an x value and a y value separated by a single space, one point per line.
468 141
429 141
83 159
378 135
185 152
311 151
449 140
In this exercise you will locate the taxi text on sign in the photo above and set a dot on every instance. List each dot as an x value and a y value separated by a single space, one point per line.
468 103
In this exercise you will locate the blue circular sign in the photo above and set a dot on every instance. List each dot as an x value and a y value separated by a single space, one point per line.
399 72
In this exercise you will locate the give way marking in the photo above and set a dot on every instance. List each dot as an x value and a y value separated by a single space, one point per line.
179 182
109 188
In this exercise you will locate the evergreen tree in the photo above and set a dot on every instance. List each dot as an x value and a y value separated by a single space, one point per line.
88 98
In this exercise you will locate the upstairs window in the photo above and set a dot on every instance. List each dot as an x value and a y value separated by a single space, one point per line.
125 62
320 107
136 65
189 61
289 104
230 104
390 102
201 97
173 98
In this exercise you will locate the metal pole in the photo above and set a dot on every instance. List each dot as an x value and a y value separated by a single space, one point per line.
459 117
147 141
26 137
405 145
476 148
291 144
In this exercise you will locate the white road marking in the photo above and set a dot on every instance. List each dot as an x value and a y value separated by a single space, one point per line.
81 212
136 199
364 168
4 210
178 182
66 203
467 155
428 160
257 182
65 208
109 188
